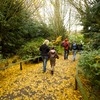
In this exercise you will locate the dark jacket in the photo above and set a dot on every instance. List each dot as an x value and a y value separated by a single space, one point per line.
74 46
44 49
80 47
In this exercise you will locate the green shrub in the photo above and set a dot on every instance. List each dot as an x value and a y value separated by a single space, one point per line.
59 49
90 64
30 49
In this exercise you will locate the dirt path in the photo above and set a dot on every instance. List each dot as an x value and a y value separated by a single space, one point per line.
32 84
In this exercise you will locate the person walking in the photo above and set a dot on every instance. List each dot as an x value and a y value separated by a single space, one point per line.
80 48
44 50
53 55
74 48
66 46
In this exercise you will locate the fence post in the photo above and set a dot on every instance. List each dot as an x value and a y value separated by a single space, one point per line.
20 65
75 83
38 60
78 83
76 79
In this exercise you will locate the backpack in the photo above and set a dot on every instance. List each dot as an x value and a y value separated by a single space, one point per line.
66 45
74 46
52 53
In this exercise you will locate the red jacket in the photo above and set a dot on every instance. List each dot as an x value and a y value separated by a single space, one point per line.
66 45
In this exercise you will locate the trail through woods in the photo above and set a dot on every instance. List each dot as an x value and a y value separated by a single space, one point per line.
31 84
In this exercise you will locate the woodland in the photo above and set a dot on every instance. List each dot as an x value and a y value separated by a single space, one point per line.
25 24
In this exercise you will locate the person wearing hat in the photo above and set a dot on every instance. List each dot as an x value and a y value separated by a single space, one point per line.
44 50
66 46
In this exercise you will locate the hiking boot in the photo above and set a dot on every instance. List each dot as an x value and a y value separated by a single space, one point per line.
44 71
52 72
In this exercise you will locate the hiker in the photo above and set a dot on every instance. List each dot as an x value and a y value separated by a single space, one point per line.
44 49
80 48
74 48
66 46
53 55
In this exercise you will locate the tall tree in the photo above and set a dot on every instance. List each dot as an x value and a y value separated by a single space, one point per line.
9 23
15 23
89 11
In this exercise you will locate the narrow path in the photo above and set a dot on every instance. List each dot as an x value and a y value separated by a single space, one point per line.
32 84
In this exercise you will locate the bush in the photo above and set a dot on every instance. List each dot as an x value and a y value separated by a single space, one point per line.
30 49
90 64
57 44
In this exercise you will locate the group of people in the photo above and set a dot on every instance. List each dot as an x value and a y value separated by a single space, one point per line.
50 53
74 47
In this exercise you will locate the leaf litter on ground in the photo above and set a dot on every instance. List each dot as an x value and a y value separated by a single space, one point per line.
31 84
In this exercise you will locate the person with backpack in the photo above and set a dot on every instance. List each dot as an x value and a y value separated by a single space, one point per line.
53 55
74 48
66 46
44 50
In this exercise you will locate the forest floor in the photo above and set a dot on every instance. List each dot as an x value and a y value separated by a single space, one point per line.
32 84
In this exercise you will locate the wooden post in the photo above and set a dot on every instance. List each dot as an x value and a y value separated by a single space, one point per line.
82 90
38 59
75 83
75 78
20 65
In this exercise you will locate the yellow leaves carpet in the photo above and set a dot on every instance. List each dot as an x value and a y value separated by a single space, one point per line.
31 84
